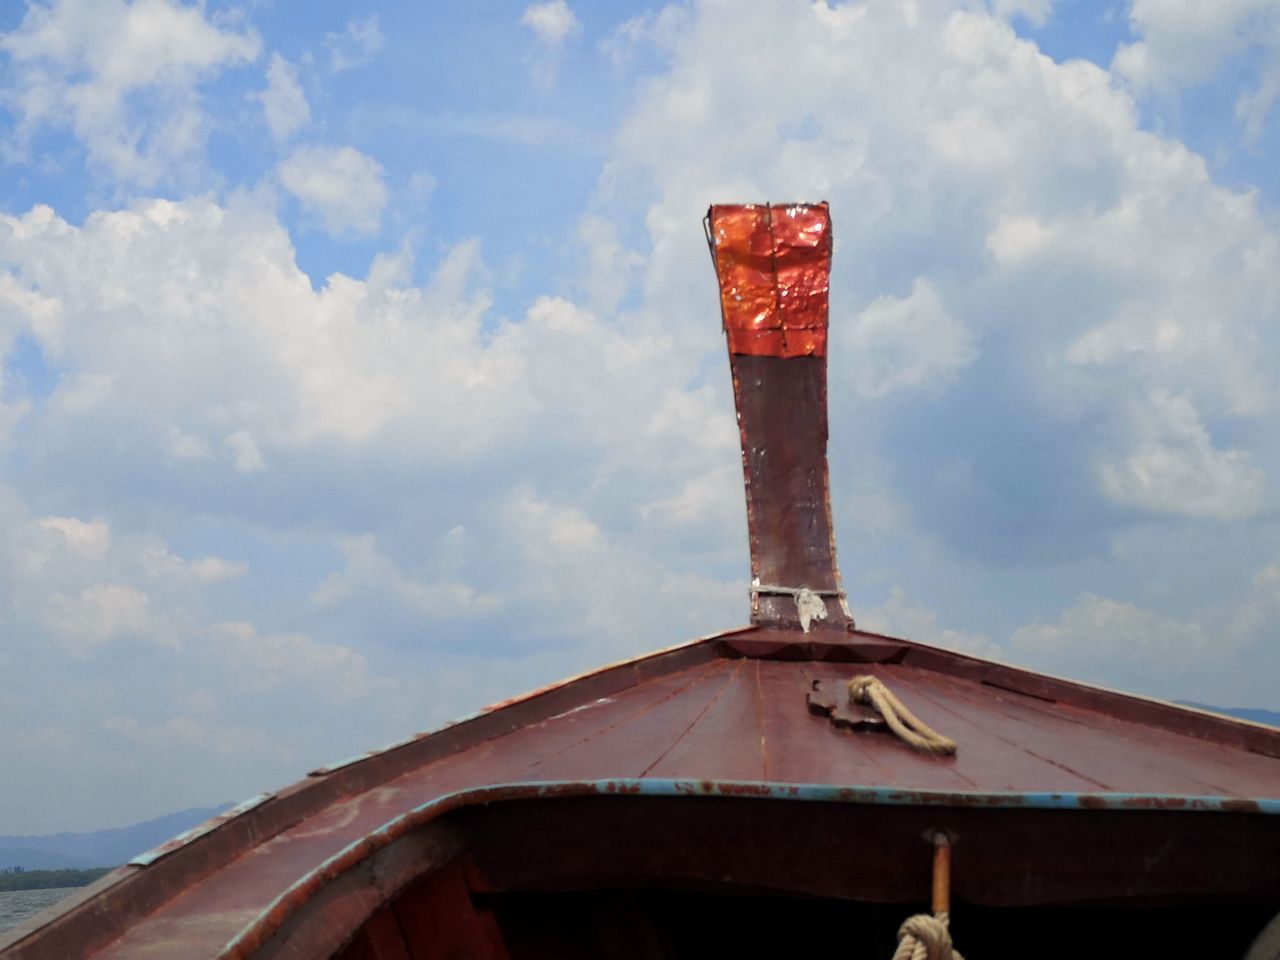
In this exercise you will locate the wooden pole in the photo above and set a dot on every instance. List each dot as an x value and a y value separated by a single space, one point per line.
941 873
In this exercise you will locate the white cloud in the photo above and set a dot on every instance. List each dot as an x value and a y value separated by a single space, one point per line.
1099 626
85 586
1036 12
222 333
81 393
262 662
610 597
1094 263
191 331
610 267
21 308
159 563
712 494
100 613
11 412
350 366
552 22
244 451
215 569
358 43
88 538
1253 107
1194 311
185 446
1259 612
899 616
1196 655
1175 468
150 682
123 78
1185 42
1015 240
658 30
897 343
368 572
284 105
184 734
422 185
341 185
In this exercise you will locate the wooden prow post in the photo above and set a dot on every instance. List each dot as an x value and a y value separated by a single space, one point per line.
773 264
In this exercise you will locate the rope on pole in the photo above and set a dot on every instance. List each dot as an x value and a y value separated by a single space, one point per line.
928 936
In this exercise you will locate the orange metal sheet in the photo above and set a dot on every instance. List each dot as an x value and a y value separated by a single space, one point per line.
773 262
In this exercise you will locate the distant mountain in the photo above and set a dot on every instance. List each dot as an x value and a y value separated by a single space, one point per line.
99 848
1244 713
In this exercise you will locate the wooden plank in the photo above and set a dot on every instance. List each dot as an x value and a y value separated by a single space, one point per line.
383 938
723 742
628 748
1044 728
807 748
586 743
1221 731
1238 772
1111 762
546 750
997 758
439 921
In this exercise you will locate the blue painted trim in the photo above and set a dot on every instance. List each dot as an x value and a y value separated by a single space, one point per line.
899 796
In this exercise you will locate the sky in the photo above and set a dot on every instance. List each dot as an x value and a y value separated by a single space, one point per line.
360 363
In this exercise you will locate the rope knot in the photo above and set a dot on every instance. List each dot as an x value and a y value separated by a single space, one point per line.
859 689
809 607
930 932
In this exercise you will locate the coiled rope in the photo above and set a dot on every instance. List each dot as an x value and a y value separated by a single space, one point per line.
909 728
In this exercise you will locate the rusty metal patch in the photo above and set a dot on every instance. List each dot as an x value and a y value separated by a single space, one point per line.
773 262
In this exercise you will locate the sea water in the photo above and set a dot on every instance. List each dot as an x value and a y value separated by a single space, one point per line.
17 905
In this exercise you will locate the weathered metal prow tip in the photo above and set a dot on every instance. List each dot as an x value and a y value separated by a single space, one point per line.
773 264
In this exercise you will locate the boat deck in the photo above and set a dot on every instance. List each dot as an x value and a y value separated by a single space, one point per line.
726 711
